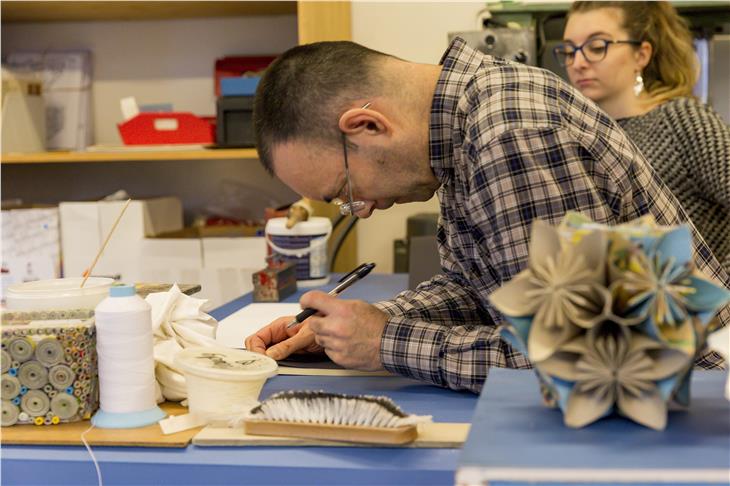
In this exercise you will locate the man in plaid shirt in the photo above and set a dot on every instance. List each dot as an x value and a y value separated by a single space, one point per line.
500 143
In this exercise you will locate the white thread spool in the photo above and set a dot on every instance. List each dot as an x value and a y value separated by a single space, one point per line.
221 382
305 244
126 362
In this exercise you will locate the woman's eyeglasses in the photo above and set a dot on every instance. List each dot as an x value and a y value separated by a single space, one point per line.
594 50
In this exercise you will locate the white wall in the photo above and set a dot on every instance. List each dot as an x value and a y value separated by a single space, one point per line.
414 31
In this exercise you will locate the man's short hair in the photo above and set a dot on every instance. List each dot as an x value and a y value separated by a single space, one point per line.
304 91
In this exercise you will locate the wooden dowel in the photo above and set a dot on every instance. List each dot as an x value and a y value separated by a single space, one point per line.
87 273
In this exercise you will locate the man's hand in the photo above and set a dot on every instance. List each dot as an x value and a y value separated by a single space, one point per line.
349 330
278 342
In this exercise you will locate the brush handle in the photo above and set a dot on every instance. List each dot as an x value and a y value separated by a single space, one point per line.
346 433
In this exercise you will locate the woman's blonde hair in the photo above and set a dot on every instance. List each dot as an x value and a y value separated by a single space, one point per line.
672 69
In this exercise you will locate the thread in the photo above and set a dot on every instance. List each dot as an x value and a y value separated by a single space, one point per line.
33 375
49 352
6 361
21 349
91 453
10 387
35 403
61 377
64 406
126 361
10 414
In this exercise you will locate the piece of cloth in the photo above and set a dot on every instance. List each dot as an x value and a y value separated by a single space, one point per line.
510 143
688 144
719 341
178 322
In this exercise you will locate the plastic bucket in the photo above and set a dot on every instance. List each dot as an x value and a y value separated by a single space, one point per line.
58 293
305 244
221 382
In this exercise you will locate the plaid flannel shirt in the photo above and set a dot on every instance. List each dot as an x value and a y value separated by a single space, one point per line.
510 143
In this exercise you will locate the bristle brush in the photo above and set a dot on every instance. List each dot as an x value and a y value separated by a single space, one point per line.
332 416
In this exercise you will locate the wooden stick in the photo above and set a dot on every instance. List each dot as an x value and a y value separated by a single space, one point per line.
87 273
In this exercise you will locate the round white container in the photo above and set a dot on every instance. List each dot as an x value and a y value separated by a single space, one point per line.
58 293
223 382
305 244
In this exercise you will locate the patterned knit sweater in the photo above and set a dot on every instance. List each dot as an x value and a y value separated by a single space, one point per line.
689 146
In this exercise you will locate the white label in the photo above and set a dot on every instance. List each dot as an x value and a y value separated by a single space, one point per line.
166 124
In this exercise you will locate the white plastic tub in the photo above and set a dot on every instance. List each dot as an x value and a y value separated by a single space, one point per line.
223 383
305 244
58 293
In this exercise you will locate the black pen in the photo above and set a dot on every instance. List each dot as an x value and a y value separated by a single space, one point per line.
344 282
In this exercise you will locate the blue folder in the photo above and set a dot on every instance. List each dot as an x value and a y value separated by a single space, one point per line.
514 439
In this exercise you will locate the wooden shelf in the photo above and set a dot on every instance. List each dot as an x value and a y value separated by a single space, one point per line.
63 11
515 7
131 156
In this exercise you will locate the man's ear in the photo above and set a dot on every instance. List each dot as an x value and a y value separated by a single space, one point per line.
364 121
643 54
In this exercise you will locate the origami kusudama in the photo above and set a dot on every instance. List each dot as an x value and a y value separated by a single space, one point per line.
612 317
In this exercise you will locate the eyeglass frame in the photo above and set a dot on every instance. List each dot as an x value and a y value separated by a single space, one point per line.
350 207
606 43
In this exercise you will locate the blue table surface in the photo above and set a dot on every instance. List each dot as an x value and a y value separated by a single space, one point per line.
513 434
373 288
269 465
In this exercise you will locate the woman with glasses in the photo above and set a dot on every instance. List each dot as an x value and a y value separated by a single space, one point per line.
636 61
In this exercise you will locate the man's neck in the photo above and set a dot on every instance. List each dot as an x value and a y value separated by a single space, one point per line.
416 88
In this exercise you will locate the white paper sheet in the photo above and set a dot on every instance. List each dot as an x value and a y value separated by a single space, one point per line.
234 329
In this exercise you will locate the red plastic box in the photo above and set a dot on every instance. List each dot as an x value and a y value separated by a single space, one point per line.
167 128
236 66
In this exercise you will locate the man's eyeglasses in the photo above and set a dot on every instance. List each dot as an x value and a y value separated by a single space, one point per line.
594 50
350 207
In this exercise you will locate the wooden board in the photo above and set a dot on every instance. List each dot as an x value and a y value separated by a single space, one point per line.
127 156
436 435
70 434
289 370
64 11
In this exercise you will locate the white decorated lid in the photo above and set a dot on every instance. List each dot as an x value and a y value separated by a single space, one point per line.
313 226
60 287
225 364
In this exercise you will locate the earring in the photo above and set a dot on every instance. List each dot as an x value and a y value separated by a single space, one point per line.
638 84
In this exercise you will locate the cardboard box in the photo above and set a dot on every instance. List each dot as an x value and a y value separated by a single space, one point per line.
85 225
239 252
223 267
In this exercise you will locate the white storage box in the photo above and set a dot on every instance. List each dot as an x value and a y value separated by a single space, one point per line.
84 226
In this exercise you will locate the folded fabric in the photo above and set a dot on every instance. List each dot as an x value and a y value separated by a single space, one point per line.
178 322
719 341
